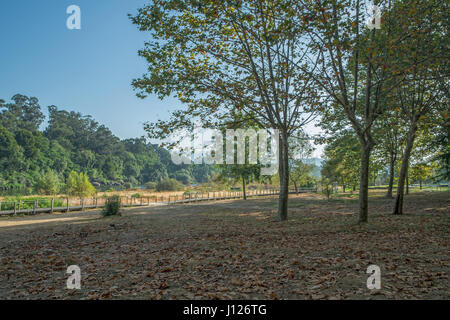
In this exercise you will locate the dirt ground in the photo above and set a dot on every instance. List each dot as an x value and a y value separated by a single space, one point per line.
232 250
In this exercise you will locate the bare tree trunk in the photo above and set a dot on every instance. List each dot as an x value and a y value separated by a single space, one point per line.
398 208
343 188
391 177
364 183
295 186
284 176
407 180
243 188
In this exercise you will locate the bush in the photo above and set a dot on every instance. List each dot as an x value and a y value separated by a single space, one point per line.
128 185
169 185
112 206
79 185
150 185
47 183
136 195
327 187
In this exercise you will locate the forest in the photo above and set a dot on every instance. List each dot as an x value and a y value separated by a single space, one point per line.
75 142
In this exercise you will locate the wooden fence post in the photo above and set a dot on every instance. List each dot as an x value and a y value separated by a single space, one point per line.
51 205
34 206
15 209
67 204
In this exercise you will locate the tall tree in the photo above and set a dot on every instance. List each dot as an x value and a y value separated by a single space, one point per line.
353 64
218 56
420 94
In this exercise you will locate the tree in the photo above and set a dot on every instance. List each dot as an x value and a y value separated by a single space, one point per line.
22 113
219 56
78 185
301 174
420 94
342 159
47 183
169 185
10 152
390 136
353 71
420 172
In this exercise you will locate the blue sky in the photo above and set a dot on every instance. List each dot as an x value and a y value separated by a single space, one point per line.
88 70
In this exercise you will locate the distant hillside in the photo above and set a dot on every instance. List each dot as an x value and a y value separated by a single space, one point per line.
72 141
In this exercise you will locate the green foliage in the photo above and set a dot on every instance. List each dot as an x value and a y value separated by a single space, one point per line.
75 142
47 183
112 206
169 185
150 185
78 185
136 195
301 174
28 203
326 187
342 159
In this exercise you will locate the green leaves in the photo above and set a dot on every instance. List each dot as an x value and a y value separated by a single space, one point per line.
78 185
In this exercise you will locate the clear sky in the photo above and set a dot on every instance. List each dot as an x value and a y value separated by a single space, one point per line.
88 70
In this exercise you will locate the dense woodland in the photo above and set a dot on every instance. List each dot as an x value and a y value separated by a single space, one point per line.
75 142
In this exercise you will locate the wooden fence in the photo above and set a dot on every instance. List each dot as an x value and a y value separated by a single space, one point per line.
36 206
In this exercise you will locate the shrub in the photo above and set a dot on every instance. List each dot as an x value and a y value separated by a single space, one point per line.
79 185
128 185
169 185
112 206
136 195
47 183
150 185
327 187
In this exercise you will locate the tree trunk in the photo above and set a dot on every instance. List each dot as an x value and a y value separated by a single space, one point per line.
364 183
343 188
243 188
284 176
295 186
420 183
407 180
391 177
398 208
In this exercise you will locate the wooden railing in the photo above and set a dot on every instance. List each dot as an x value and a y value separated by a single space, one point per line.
36 206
